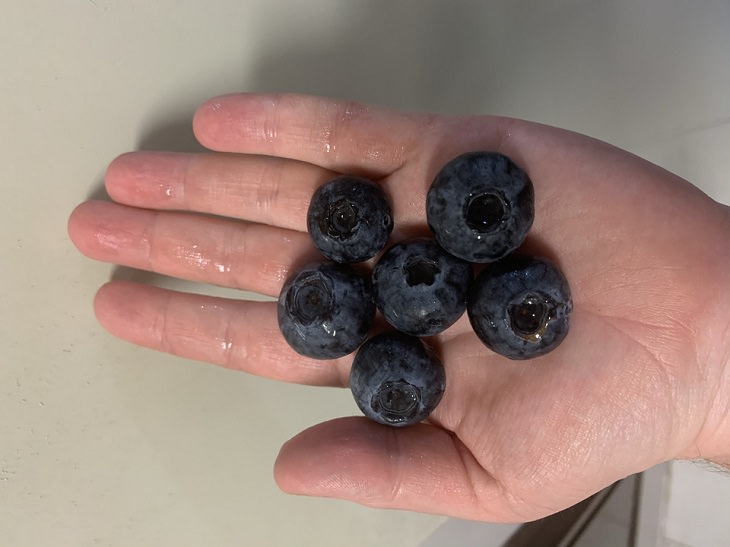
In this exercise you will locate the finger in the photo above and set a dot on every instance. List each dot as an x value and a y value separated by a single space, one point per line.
217 251
419 468
342 136
240 335
266 190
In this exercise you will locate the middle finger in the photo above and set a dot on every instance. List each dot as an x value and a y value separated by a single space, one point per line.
261 189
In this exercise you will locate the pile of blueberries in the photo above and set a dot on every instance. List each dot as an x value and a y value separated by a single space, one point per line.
479 208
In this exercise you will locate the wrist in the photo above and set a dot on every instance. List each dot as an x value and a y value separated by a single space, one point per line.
717 338
716 430
712 339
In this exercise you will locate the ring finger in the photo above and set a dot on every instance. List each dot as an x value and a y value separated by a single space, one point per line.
217 251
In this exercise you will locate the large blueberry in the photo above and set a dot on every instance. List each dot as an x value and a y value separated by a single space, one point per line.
326 310
480 206
520 306
419 288
349 219
396 379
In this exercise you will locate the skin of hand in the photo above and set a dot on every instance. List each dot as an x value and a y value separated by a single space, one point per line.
643 377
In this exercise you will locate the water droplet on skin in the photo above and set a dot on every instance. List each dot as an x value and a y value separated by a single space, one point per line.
194 257
269 133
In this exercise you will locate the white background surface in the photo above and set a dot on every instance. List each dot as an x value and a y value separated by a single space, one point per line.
102 443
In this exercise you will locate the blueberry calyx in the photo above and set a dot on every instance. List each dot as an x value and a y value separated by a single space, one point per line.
311 298
420 270
530 315
396 401
485 212
342 220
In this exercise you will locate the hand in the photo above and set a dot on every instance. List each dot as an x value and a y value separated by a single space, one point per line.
643 376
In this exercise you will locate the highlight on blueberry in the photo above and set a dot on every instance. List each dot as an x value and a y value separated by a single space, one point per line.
419 288
396 379
349 219
325 310
480 206
520 307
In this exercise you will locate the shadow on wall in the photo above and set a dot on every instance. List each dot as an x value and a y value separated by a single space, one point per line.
411 55
421 55
510 58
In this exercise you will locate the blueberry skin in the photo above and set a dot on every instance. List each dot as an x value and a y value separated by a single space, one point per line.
480 206
349 219
520 306
419 288
396 379
325 310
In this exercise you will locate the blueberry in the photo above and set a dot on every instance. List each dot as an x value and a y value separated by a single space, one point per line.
419 288
326 310
520 306
396 379
480 206
349 219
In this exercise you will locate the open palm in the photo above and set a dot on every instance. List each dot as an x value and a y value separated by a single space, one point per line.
641 378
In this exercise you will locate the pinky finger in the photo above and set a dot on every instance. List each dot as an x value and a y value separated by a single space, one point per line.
235 334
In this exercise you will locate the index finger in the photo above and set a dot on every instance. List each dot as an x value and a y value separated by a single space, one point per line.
343 136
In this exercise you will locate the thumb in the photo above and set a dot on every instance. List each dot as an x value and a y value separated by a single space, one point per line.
420 468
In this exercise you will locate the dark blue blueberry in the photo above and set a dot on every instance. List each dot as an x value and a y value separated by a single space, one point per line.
480 206
520 306
326 310
396 379
349 219
419 288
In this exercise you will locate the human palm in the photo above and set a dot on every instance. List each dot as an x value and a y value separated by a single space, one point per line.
641 378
